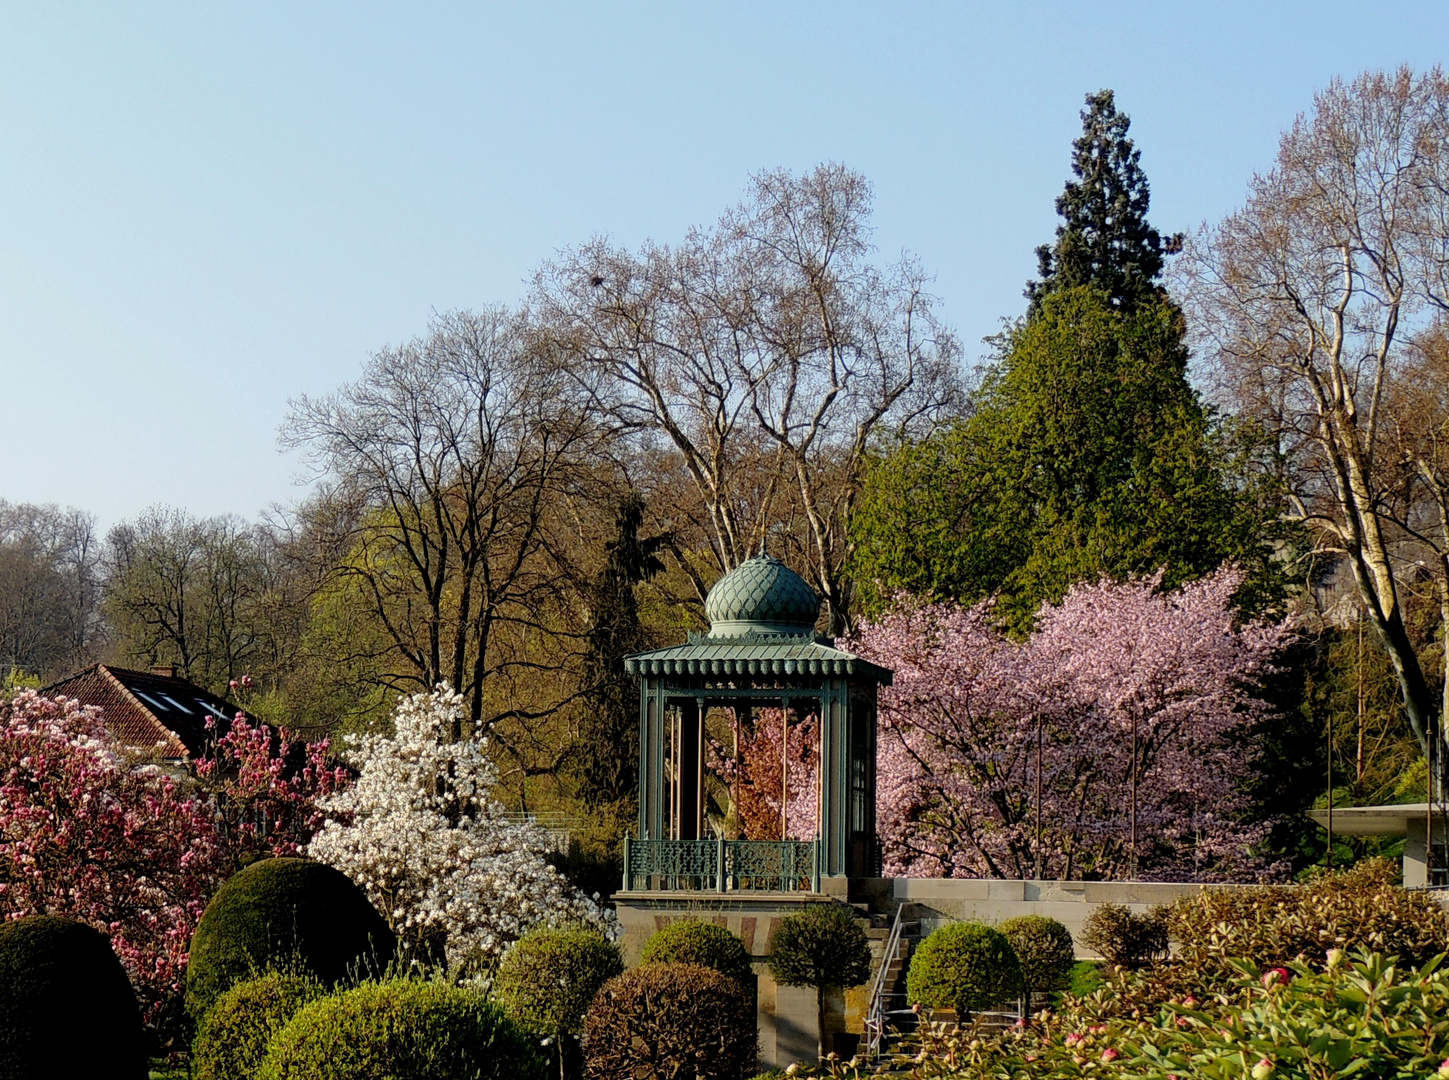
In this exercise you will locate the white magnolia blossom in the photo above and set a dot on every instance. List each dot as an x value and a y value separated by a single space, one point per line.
421 834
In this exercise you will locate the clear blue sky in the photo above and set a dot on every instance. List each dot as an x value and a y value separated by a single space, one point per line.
206 209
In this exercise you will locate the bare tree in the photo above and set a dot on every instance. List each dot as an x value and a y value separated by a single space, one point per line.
1307 302
196 593
49 590
459 453
766 353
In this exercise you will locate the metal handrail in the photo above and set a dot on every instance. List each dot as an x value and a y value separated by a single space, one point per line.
875 1011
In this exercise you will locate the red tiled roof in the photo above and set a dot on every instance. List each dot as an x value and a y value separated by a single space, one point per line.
147 711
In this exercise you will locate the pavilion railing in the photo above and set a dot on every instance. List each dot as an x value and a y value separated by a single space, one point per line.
718 865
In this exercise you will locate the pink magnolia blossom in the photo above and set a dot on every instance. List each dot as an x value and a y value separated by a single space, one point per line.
85 835
1115 668
265 786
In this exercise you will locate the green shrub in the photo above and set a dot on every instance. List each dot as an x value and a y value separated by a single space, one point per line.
232 1038
966 966
822 946
402 1030
1125 938
1044 949
1358 908
548 978
667 1020
292 914
694 942
66 1006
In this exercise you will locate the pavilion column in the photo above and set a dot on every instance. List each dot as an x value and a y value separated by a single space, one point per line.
689 750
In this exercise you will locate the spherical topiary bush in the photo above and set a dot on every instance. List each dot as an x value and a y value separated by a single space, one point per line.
694 942
403 1030
232 1038
966 966
1045 951
665 1020
548 978
291 914
66 1006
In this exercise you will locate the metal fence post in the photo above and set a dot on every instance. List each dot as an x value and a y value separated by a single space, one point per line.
628 877
719 863
815 870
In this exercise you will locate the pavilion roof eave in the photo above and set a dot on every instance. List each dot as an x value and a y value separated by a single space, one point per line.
755 654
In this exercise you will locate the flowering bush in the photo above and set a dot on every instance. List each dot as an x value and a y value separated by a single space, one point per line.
265 785
1115 670
420 832
83 835
755 783
1364 1018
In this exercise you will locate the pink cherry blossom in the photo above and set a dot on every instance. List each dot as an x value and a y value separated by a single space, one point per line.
1113 666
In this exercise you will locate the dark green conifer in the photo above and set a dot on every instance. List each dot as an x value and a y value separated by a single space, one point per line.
607 753
1104 239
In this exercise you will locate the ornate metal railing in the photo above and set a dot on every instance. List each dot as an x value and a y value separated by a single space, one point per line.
721 865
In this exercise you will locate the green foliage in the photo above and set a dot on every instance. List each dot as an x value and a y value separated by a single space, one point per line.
1104 239
232 1038
966 966
668 1020
822 946
403 1030
1085 978
1044 949
548 978
1088 455
1124 937
694 942
66 1006
287 913
1363 1018
1358 908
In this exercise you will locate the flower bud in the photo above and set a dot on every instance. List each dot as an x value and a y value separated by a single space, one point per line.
1263 1070
1111 1054
1335 959
1444 1067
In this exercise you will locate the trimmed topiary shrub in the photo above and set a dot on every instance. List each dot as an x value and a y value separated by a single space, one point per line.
232 1038
966 966
1044 950
694 942
823 946
547 980
403 1030
1125 938
289 914
66 1006
1362 907
667 1020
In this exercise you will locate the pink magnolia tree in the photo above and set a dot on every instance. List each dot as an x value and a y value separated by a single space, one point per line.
1109 744
264 785
86 835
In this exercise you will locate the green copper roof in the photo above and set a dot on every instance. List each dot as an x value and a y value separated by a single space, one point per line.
757 654
761 595
761 623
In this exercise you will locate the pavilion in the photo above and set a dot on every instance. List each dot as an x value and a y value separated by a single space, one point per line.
760 663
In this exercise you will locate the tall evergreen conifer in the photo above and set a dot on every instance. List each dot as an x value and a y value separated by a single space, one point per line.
1104 239
607 759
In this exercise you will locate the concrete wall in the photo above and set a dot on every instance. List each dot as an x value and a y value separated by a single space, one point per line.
1069 902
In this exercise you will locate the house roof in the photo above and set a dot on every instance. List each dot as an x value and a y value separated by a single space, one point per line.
150 711
800 655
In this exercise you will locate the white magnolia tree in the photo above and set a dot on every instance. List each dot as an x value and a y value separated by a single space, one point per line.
421 834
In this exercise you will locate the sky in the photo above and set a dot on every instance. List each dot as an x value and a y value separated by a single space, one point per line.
207 210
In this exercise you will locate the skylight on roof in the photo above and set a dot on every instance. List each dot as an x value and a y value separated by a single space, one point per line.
177 704
149 700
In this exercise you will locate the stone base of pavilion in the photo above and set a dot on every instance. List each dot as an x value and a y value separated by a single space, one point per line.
787 1015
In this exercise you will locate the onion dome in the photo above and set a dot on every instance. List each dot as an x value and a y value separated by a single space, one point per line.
762 596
